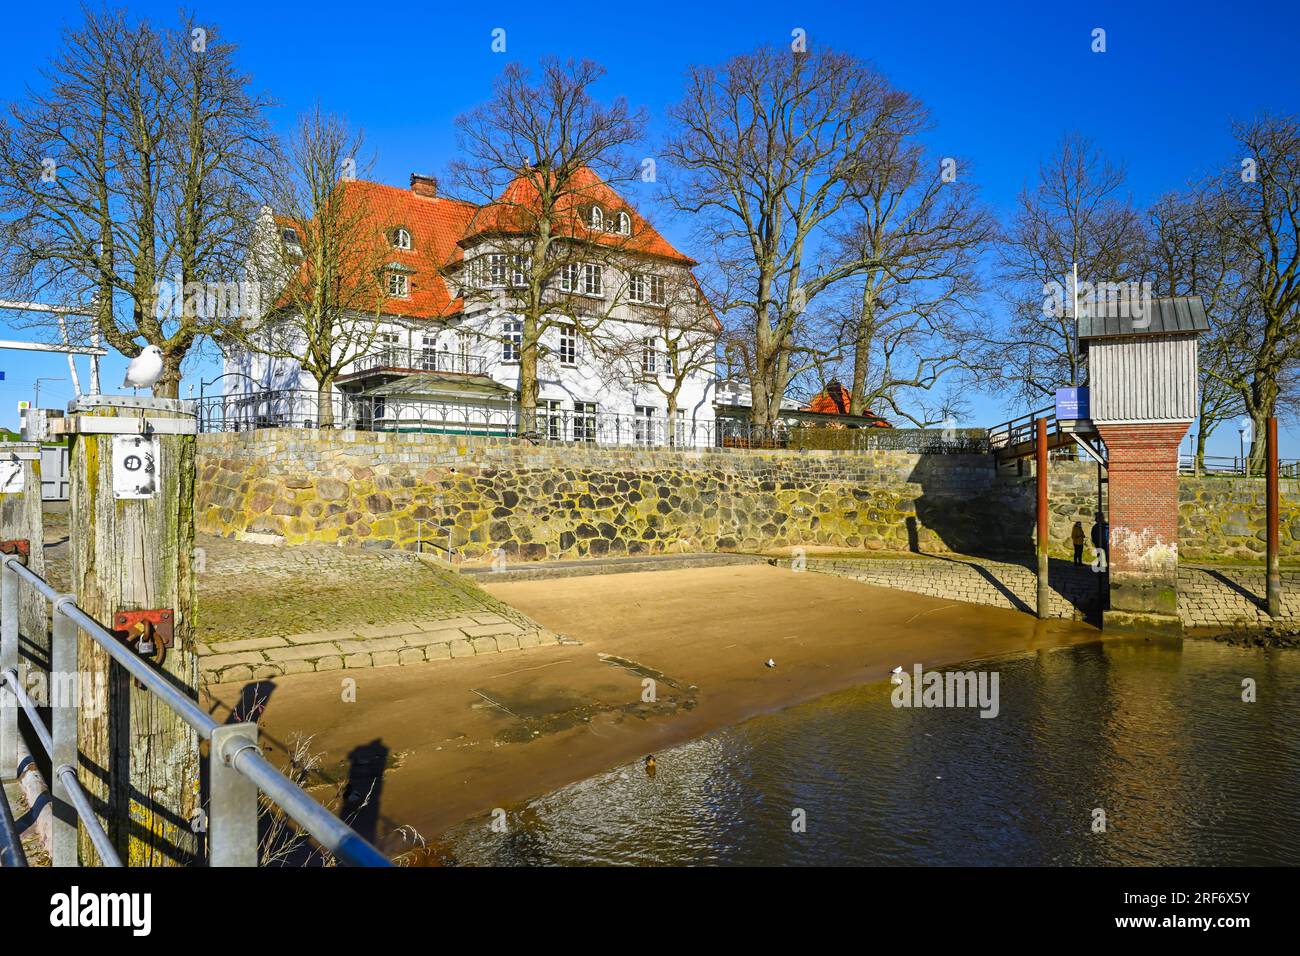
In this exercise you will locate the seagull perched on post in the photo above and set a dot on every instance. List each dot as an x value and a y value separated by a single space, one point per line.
145 369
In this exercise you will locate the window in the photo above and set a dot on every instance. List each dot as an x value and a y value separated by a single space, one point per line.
667 362
679 432
646 288
401 238
523 266
512 339
496 270
553 419
624 224
649 358
569 277
597 218
568 345
399 285
292 244
593 279
643 425
584 421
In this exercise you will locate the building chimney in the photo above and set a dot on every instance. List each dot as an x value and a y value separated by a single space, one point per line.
423 185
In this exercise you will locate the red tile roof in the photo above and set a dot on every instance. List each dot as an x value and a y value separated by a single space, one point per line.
834 400
440 229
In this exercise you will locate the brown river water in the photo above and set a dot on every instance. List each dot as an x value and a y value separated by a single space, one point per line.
1153 734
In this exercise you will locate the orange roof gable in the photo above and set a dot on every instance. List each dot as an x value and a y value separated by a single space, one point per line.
511 214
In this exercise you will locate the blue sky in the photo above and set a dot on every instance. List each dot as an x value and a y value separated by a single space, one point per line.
1003 85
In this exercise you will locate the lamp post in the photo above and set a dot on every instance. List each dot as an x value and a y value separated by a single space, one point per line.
1242 428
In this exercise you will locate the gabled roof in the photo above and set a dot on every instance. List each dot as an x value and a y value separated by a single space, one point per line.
441 228
435 225
834 400
512 214
1170 315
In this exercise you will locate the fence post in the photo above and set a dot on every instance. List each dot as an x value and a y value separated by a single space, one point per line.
1273 585
66 690
1040 478
232 803
21 520
8 661
132 465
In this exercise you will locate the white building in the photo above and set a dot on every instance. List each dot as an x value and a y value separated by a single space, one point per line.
446 357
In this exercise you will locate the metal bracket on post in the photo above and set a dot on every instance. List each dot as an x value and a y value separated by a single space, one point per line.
20 548
65 699
232 813
148 633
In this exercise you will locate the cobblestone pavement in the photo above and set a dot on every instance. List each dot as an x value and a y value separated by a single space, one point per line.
267 610
973 580
1227 596
1207 596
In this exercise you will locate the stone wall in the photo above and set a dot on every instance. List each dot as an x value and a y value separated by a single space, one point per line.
553 501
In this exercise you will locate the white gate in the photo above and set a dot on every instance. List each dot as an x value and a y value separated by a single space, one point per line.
54 473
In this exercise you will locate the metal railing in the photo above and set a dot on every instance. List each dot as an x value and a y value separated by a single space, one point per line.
1229 465
400 359
237 768
296 408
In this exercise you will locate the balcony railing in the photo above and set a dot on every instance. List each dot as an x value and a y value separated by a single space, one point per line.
399 359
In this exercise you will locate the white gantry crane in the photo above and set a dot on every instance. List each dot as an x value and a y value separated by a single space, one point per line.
94 350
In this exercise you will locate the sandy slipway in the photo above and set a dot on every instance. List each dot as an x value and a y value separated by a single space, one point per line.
439 742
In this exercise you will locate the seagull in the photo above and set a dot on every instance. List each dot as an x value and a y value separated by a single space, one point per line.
770 662
145 369
898 675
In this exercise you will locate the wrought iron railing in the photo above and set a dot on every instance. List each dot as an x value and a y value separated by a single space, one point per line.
243 411
399 359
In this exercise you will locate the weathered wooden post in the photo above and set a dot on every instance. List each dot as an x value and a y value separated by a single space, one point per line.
132 473
21 527
1274 585
1040 450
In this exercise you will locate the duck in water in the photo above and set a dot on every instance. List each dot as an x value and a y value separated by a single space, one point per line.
650 766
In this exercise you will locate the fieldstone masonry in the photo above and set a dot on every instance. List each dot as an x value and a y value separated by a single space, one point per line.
571 501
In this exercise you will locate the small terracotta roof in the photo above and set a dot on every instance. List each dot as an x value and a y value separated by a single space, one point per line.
834 400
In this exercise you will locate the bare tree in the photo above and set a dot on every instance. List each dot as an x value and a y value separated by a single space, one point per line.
667 343
1189 253
1262 197
919 230
1076 213
541 159
320 258
137 168
766 148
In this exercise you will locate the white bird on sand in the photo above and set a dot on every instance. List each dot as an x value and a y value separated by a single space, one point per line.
898 675
145 369
770 662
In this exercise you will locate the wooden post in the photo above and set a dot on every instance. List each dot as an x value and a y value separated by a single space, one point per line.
21 520
1044 593
132 474
1274 585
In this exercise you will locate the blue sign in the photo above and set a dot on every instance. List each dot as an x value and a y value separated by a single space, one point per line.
1072 404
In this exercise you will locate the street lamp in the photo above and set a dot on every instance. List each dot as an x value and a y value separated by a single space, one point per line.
1243 427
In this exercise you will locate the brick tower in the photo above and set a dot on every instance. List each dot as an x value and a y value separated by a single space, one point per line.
1142 373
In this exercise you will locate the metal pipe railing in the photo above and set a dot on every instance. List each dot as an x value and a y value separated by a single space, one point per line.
239 751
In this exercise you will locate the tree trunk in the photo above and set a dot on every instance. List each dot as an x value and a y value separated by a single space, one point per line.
528 385
671 426
325 404
169 386
862 353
